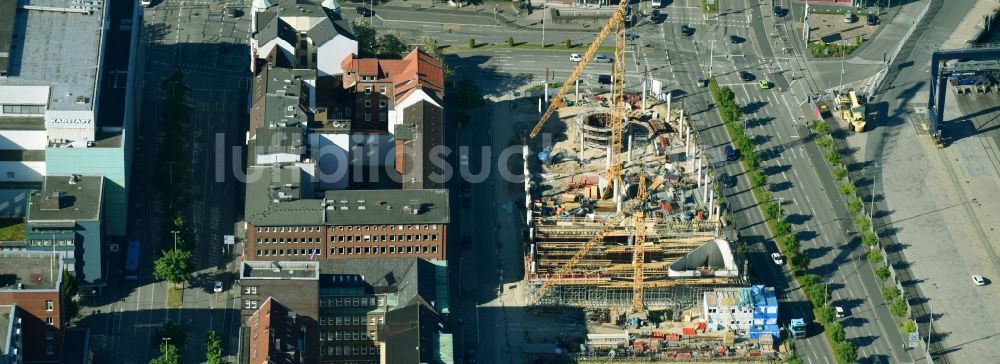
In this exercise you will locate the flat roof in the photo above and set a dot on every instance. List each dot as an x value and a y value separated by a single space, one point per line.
36 270
5 311
7 10
22 122
46 55
375 207
296 270
273 198
22 155
67 198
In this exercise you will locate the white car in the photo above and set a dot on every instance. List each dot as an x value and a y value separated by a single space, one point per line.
840 311
217 288
848 17
979 280
576 57
776 257
601 58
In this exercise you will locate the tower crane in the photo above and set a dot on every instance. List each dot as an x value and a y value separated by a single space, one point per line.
617 25
639 254
609 225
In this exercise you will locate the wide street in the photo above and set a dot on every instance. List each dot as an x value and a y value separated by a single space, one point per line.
192 38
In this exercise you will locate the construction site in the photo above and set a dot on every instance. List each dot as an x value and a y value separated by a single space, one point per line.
624 224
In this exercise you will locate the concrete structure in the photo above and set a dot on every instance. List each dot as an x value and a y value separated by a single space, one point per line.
68 106
33 282
11 343
350 311
65 218
285 221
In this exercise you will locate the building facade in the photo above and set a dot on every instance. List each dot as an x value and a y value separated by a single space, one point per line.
10 335
33 282
65 218
353 309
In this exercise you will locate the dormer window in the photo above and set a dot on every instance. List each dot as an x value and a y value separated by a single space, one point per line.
368 90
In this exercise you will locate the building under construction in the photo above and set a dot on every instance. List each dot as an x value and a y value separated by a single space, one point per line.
684 252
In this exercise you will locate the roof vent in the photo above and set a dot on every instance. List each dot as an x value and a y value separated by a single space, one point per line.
290 111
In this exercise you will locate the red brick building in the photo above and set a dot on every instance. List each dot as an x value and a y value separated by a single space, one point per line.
344 224
380 84
33 282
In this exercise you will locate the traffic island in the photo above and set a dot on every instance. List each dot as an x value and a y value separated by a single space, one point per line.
175 295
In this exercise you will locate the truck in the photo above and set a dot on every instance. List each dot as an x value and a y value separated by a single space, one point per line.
855 115
798 328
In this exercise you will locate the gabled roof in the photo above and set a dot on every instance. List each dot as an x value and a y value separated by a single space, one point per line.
326 30
276 28
422 70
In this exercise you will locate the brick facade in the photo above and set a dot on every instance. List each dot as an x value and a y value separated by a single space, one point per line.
41 322
427 241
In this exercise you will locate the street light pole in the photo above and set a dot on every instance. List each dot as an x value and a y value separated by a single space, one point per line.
543 25
175 238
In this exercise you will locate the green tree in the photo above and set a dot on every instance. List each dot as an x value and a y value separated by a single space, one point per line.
883 272
569 44
836 331
909 326
854 205
772 210
782 228
70 289
809 280
213 350
846 352
874 256
390 45
833 156
824 141
846 188
791 243
869 238
168 355
817 294
366 37
898 307
825 314
510 41
472 43
173 266
839 172
757 178
169 331
890 293
820 127
862 223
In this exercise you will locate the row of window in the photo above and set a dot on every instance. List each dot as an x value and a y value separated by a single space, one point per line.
368 89
24 109
284 240
338 350
351 238
350 320
50 242
381 104
346 335
349 301
298 229
264 252
407 249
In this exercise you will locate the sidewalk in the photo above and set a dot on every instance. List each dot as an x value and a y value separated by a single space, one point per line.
505 15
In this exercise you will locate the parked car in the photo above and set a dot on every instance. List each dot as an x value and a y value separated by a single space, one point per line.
217 288
631 36
702 82
778 11
575 57
872 20
602 58
656 17
839 311
233 12
746 76
777 258
848 17
979 280
735 39
686 30
604 79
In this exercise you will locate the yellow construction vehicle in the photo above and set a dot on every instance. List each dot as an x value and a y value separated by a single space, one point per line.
856 114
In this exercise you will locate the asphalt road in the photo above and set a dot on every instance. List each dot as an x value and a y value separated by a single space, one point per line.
184 36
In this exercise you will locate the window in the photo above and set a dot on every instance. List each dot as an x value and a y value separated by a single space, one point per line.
364 349
250 304
322 320
357 301
49 321
381 104
339 302
371 334
356 320
372 320
381 302
368 90
356 336
381 320
382 89
355 349
339 350
50 335
50 350
339 335
340 320
23 109
48 305
368 103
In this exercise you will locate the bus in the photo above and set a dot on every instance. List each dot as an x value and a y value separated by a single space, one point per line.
132 261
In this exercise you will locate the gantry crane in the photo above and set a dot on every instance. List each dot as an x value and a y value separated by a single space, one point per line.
610 224
617 25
